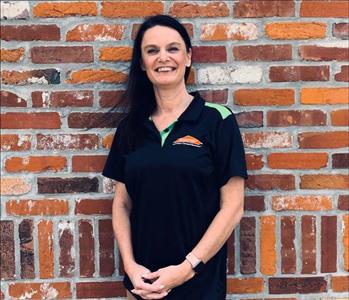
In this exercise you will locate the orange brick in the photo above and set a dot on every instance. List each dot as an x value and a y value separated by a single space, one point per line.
131 9
94 76
64 9
43 207
107 141
15 142
254 162
340 117
297 160
190 10
345 241
37 291
224 32
46 246
340 284
95 32
35 164
267 245
327 9
300 202
245 285
264 97
295 31
42 120
318 140
14 186
192 75
267 139
325 181
115 53
11 55
88 163
324 95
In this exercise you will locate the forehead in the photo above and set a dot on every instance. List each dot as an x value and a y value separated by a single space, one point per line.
158 35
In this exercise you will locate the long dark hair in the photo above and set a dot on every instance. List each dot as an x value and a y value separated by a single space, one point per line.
139 97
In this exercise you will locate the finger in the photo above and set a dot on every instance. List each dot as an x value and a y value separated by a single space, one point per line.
148 287
156 295
152 275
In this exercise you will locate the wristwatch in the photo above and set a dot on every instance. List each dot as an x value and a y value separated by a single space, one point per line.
196 263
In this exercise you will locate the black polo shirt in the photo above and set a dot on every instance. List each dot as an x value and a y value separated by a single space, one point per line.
173 180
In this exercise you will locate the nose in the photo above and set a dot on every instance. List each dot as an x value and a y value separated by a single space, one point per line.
163 55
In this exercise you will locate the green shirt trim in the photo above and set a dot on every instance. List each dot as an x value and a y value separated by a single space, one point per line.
225 112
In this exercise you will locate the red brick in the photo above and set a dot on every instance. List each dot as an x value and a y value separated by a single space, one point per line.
64 9
95 76
308 245
42 120
296 118
340 284
324 181
11 55
106 289
345 241
326 140
248 245
326 9
23 77
95 32
266 182
131 9
110 98
9 99
115 54
340 160
259 9
297 285
288 248
299 73
66 246
209 54
328 244
267 139
254 203
14 142
43 207
231 254
215 96
61 54
297 160
301 203
268 245
343 75
7 250
88 163
192 10
254 162
46 248
93 120
321 53
86 246
21 290
26 249
264 97
341 30
252 285
343 202
263 52
54 185
67 141
325 95
62 98
187 26
295 30
250 119
30 33
35 164
93 206
106 248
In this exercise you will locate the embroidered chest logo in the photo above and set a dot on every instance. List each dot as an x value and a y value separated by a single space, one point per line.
188 140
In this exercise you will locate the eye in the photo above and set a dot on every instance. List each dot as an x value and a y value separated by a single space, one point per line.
173 49
151 51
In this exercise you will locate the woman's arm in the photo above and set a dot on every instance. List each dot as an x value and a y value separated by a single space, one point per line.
221 227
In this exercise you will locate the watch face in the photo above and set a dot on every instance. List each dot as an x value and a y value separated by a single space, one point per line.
198 269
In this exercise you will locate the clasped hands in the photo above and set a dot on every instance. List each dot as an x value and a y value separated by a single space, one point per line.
157 285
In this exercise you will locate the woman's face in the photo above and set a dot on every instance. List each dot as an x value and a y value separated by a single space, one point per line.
164 56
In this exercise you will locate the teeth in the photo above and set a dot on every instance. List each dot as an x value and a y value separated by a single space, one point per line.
165 69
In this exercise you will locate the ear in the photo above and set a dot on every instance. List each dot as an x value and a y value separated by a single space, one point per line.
189 53
142 65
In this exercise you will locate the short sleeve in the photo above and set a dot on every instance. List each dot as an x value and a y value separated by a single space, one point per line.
230 153
114 165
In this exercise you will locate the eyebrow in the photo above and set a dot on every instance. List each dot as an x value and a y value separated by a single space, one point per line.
170 44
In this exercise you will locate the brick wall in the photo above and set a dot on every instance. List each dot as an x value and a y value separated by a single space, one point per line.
282 66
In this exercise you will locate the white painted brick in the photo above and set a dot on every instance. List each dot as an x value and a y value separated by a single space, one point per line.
14 9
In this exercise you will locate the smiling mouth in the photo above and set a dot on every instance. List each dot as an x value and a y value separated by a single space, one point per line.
165 69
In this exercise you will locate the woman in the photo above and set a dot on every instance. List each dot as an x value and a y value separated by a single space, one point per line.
179 168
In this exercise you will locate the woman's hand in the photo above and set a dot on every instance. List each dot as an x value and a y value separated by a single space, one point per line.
136 273
168 277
